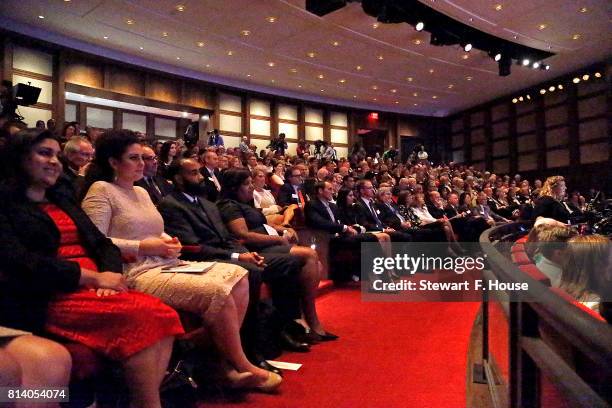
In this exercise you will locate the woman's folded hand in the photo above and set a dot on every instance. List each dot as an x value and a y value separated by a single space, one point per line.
108 282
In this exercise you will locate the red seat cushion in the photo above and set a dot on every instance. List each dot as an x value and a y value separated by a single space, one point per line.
517 248
520 258
535 273
522 240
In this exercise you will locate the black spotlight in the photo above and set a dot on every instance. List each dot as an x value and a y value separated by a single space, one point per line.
504 65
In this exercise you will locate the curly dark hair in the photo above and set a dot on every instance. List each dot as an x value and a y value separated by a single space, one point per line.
13 154
111 144
231 180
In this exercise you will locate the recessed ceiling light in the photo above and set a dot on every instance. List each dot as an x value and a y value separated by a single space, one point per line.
105 37
451 86
245 33
409 79
342 81
358 67
375 87
498 7
178 58
207 65
576 80
415 94
335 43
299 86
431 70
67 1
354 96
521 98
141 48
380 58
164 34
230 53
293 70
542 91
542 27
320 76
583 9
249 75
434 97
322 90
200 44
576 37
471 19
514 100
526 62
559 86
419 26
415 104
585 77
375 25
551 89
417 41
41 17
393 90
469 78
465 56
180 7
598 75
271 64
271 19
375 99
396 102
129 21
515 36
272 80
311 54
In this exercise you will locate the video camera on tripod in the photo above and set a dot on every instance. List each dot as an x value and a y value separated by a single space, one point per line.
13 96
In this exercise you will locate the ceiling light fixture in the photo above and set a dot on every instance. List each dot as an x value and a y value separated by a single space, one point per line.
271 64
409 79
434 97
380 58
535 65
415 94
528 97
311 54
394 91
200 44
41 17
498 7
178 58
576 37
320 76
520 99
230 53
585 77
542 91
451 86
417 41
180 8
129 21
431 70
375 26
342 81
293 70
299 86
576 80
526 62
469 78
335 43
583 9
375 87
497 57
249 75
141 48
598 75
514 100
358 67
542 27
245 33
559 86
551 89
271 19
465 56
419 26
164 34
105 37
466 46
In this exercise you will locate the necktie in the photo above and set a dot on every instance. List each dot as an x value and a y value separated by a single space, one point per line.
215 181
156 191
397 214
378 222
302 202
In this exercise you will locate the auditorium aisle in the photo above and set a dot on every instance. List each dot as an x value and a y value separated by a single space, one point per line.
389 355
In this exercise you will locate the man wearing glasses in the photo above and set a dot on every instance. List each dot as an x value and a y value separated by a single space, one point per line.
78 153
157 186
292 191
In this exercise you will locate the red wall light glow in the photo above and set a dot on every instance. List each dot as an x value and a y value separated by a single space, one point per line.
373 116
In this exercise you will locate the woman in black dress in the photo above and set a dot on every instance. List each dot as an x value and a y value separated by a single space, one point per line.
250 225
549 204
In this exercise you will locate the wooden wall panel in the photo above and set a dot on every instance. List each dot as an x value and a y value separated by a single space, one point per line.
84 72
125 81
197 95
163 89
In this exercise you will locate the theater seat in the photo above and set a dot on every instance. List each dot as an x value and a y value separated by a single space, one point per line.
517 248
520 258
535 273
522 240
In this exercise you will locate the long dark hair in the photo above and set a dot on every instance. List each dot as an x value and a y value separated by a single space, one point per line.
14 153
231 180
111 144
342 196
402 196
164 153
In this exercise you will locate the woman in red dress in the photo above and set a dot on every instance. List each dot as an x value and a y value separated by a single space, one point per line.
60 276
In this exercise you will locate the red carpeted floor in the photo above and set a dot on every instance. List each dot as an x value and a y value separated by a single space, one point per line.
389 355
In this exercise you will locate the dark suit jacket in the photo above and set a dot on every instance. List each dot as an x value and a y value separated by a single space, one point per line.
435 211
364 216
550 208
165 188
317 217
212 194
30 271
198 225
285 195
388 217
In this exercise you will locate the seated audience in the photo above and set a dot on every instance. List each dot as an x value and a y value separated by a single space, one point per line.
550 244
264 199
292 191
210 170
249 224
550 204
62 277
78 152
126 214
481 209
168 152
157 186
277 178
